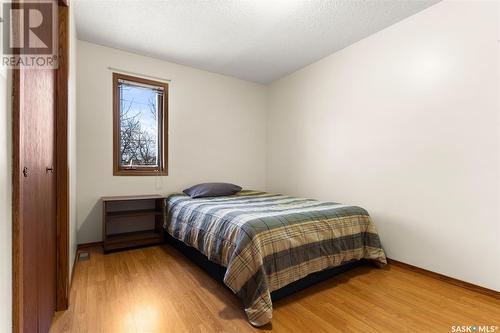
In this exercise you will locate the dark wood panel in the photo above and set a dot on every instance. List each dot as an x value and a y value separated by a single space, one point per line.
88 245
17 214
62 158
114 241
32 185
134 235
46 196
38 201
137 212
132 239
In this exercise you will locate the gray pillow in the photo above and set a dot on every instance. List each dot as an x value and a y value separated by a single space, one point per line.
212 190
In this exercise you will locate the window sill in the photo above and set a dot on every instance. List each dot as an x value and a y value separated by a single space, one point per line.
138 172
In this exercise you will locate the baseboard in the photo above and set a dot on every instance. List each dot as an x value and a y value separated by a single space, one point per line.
72 276
87 245
456 282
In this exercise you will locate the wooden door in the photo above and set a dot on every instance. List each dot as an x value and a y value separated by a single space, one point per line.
40 190
37 148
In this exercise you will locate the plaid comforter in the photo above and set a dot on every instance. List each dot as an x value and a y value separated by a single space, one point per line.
267 241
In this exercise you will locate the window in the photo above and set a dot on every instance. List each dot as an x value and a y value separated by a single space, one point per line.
140 115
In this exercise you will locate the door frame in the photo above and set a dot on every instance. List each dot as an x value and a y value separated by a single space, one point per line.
62 179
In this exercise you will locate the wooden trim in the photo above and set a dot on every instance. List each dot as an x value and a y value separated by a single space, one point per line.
87 245
72 277
17 218
444 278
163 124
62 167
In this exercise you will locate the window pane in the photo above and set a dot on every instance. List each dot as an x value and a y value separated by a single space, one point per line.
138 126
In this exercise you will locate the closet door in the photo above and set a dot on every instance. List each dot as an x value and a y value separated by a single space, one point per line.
39 213
37 147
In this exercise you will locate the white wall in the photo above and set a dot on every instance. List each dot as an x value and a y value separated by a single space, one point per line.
72 139
216 131
5 206
406 124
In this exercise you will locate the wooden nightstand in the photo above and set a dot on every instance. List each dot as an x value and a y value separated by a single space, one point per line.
132 221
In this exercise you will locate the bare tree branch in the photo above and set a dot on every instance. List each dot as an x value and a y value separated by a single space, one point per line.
137 146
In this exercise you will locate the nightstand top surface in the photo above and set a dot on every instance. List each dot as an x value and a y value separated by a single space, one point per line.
132 197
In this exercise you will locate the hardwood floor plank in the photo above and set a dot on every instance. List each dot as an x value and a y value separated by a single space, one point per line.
157 289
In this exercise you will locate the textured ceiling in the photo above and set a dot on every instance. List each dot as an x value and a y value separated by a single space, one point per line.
256 40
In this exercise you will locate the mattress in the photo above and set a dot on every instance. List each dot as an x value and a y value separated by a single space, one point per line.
267 241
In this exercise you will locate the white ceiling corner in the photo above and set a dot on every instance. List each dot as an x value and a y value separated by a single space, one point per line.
255 40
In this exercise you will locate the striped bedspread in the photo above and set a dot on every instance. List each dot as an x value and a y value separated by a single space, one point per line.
267 241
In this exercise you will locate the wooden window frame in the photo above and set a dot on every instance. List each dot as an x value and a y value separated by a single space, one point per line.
162 169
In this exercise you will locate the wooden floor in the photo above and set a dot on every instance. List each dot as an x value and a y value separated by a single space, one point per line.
156 289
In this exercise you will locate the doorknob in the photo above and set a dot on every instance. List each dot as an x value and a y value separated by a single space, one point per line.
25 172
51 169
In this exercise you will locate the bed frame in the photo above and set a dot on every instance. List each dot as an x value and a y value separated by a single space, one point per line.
217 272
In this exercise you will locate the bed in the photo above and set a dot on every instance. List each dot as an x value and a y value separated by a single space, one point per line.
264 242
